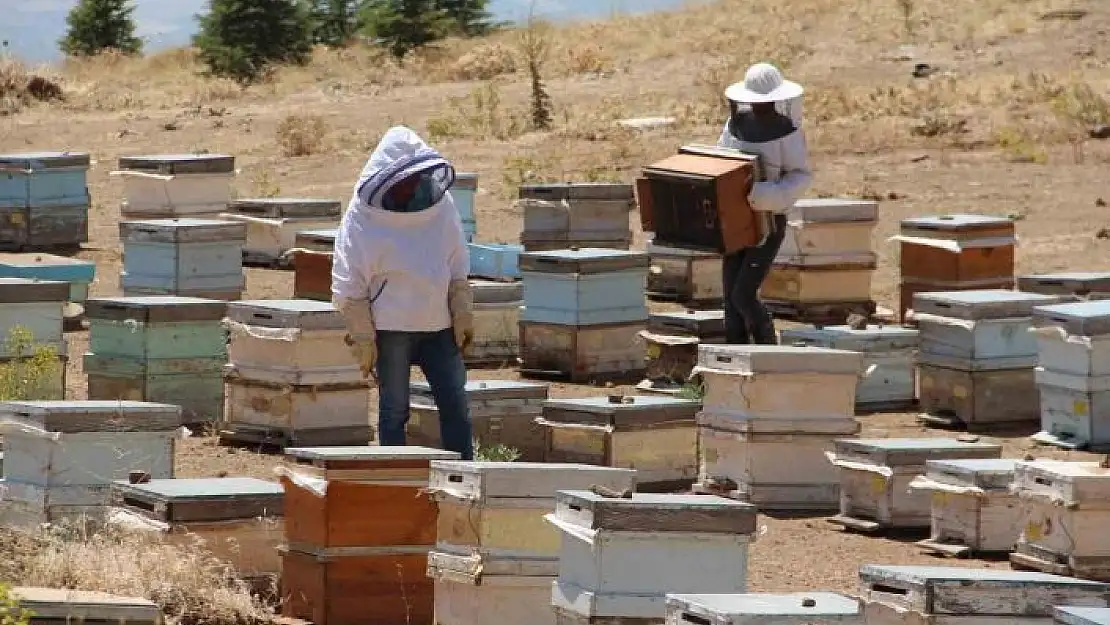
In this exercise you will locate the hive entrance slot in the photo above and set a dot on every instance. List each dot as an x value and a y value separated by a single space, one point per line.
890 590
695 619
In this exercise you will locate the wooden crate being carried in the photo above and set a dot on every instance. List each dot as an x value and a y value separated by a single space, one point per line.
273 224
974 511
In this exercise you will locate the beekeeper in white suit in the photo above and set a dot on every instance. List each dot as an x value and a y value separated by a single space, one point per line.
399 279
759 125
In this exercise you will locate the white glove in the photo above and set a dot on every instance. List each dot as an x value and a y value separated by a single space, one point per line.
362 336
460 301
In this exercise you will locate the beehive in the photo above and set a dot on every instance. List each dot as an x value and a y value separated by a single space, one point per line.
44 200
494 261
237 519
610 351
189 257
496 322
502 412
620 557
282 414
342 566
558 216
875 475
809 286
888 356
272 224
78 273
584 287
63 605
689 277
175 185
1065 514
36 306
1088 285
463 193
973 510
1080 616
799 608
824 232
312 264
654 434
672 340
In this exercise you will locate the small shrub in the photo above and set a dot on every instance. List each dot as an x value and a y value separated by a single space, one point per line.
535 45
33 372
301 135
495 453
20 88
484 62
10 611
1019 145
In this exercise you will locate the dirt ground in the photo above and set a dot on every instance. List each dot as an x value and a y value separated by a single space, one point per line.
1001 129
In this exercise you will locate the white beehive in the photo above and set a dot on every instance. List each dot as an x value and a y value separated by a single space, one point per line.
496 321
273 223
1081 616
829 231
502 412
875 475
973 508
799 608
175 185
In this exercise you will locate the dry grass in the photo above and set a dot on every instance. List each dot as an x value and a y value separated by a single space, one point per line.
301 135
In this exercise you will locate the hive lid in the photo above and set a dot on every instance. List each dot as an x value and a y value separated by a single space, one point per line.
368 455
304 314
56 605
958 223
489 390
621 411
1076 615
833 210
286 207
38 161
664 251
870 339
576 191
46 266
1068 481
1079 282
982 304
985 473
184 230
28 290
779 359
179 163
647 512
155 308
1090 318
798 608
70 416
481 481
589 260
912 451
202 499
699 323
946 590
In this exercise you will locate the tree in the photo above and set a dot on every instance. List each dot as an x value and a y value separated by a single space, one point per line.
334 22
99 25
470 17
241 39
404 25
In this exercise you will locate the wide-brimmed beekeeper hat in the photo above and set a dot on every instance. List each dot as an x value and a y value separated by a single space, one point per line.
763 82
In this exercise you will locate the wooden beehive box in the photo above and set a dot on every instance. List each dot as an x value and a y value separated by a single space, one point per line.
44 200
814 285
829 231
1065 518
291 341
578 213
312 264
672 340
37 306
951 396
1082 285
1074 410
1080 616
496 322
749 452
175 185
490 520
888 355
893 595
610 351
192 257
78 273
501 599
502 412
495 261
973 508
53 606
582 287
620 557
654 434
688 276
956 248
798 608
769 381
272 224
875 475
908 290
1064 352
237 519
463 193
343 566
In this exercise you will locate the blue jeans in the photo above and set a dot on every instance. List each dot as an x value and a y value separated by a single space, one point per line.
747 320
441 361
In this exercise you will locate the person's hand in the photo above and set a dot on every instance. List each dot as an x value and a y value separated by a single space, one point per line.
460 301
365 351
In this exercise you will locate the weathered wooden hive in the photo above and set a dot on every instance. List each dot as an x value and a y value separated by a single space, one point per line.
954 253
689 277
50 606
495 261
463 193
973 510
31 322
62 456
619 557
1073 374
44 200
187 257
888 356
653 434
78 273
496 557
237 519
1067 508
165 349
583 311
312 258
875 475
502 412
824 267
291 380
976 356
560 216
672 340
1082 285
1080 616
898 595
798 608
175 185
358 528
272 224
496 322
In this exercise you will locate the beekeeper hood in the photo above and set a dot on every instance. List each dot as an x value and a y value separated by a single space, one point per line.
764 82
400 155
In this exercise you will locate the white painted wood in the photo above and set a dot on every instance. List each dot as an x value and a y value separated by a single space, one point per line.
1078 355
800 284
972 504
301 408
1081 616
799 608
666 454
888 357
779 359
852 237
834 210
1066 512
181 195
271 237
86 458
496 330
28 506
507 600
803 395
984 339
1074 409
291 355
579 606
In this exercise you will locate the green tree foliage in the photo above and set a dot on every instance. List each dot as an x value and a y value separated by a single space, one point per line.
404 25
241 39
98 25
334 22
470 17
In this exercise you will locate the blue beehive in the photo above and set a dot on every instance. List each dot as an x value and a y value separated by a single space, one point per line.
495 261
189 257
463 192
44 200
77 272
584 287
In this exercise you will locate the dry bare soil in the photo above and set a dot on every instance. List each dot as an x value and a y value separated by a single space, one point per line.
1001 126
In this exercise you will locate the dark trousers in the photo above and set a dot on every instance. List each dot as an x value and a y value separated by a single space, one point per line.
746 318
442 363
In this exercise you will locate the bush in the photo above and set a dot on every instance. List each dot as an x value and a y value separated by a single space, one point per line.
241 39
32 374
99 25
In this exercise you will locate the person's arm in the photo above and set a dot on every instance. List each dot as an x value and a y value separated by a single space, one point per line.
460 295
350 290
779 196
458 258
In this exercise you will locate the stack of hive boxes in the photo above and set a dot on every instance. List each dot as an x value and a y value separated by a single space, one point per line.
188 257
765 403
973 510
44 200
823 269
583 312
1083 285
577 214
290 379
358 528
672 340
175 185
62 456
497 308
689 277
977 356
609 543
1073 374
312 256
495 557
272 224
31 323
954 253
76 272
160 349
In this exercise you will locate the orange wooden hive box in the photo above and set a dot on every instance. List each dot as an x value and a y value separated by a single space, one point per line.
357 533
312 259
